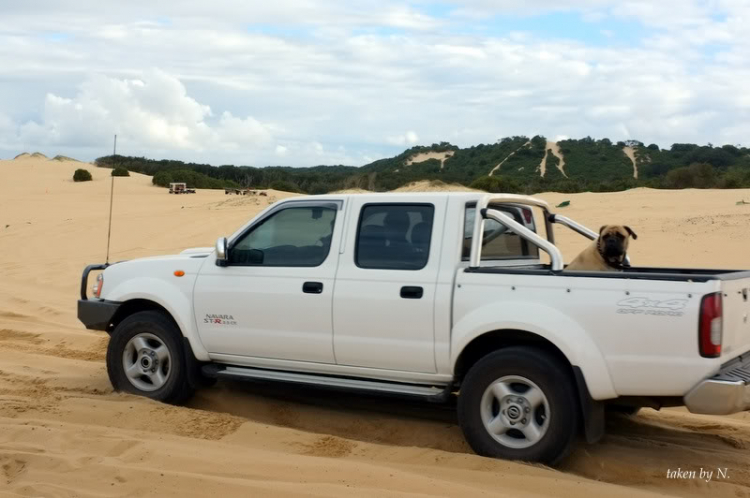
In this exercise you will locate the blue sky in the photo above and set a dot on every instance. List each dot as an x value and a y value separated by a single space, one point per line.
307 82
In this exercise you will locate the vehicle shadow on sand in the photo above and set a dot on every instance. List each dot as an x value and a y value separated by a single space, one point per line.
637 450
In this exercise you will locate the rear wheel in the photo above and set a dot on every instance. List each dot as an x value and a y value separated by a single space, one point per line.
144 357
519 403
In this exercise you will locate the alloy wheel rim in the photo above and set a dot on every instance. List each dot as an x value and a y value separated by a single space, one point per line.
515 412
147 362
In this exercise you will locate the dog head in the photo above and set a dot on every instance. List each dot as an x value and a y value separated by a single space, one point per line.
613 243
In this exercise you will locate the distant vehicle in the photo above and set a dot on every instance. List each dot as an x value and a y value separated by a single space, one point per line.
431 295
240 191
180 188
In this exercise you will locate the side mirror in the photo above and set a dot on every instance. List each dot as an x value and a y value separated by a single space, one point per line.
221 250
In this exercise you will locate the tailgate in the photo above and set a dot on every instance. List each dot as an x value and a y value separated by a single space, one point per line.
735 311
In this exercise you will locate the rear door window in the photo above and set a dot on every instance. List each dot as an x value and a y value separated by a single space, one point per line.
394 236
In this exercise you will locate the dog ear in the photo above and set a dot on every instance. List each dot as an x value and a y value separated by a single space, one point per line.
602 229
631 232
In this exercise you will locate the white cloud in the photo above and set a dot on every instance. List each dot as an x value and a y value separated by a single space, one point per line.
404 17
408 138
151 112
242 133
292 80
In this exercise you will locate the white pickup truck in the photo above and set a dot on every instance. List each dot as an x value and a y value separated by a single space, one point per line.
431 295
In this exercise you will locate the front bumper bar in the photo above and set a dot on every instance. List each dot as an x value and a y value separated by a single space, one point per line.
725 393
96 314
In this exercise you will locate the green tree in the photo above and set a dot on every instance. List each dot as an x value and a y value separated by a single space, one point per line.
699 175
285 186
120 171
496 184
590 165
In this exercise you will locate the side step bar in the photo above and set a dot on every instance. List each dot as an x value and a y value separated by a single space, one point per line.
436 394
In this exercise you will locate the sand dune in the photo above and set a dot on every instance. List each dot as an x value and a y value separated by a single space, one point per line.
556 152
434 186
555 149
64 158
424 156
63 432
630 152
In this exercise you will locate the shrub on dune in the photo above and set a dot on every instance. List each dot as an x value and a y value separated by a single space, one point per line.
81 175
120 171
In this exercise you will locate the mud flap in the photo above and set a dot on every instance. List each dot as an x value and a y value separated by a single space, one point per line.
194 375
592 411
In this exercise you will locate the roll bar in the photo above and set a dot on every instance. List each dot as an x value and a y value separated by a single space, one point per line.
576 227
547 246
482 213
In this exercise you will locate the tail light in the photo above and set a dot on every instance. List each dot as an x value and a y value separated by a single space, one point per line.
97 290
710 328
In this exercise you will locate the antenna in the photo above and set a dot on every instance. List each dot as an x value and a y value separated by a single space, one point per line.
111 198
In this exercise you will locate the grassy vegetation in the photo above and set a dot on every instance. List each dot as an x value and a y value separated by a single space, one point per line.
596 165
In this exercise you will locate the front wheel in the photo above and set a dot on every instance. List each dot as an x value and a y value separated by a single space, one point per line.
144 357
519 403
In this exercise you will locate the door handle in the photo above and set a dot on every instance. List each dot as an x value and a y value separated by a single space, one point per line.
312 287
412 292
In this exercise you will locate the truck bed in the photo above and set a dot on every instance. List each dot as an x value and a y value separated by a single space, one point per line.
635 272
644 320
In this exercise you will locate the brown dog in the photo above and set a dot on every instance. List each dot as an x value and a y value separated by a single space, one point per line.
607 253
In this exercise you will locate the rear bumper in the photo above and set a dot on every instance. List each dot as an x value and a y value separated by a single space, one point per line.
96 314
725 393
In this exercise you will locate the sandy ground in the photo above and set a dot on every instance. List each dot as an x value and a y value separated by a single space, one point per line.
424 156
555 149
630 152
63 432
556 152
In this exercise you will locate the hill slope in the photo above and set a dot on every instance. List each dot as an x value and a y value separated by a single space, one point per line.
512 164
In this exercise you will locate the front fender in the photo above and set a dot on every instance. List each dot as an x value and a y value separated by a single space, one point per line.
175 298
549 323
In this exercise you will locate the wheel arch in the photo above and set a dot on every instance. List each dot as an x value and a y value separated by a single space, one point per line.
491 341
542 325
591 411
137 305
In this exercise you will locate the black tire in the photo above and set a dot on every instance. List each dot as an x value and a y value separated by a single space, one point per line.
176 389
554 381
